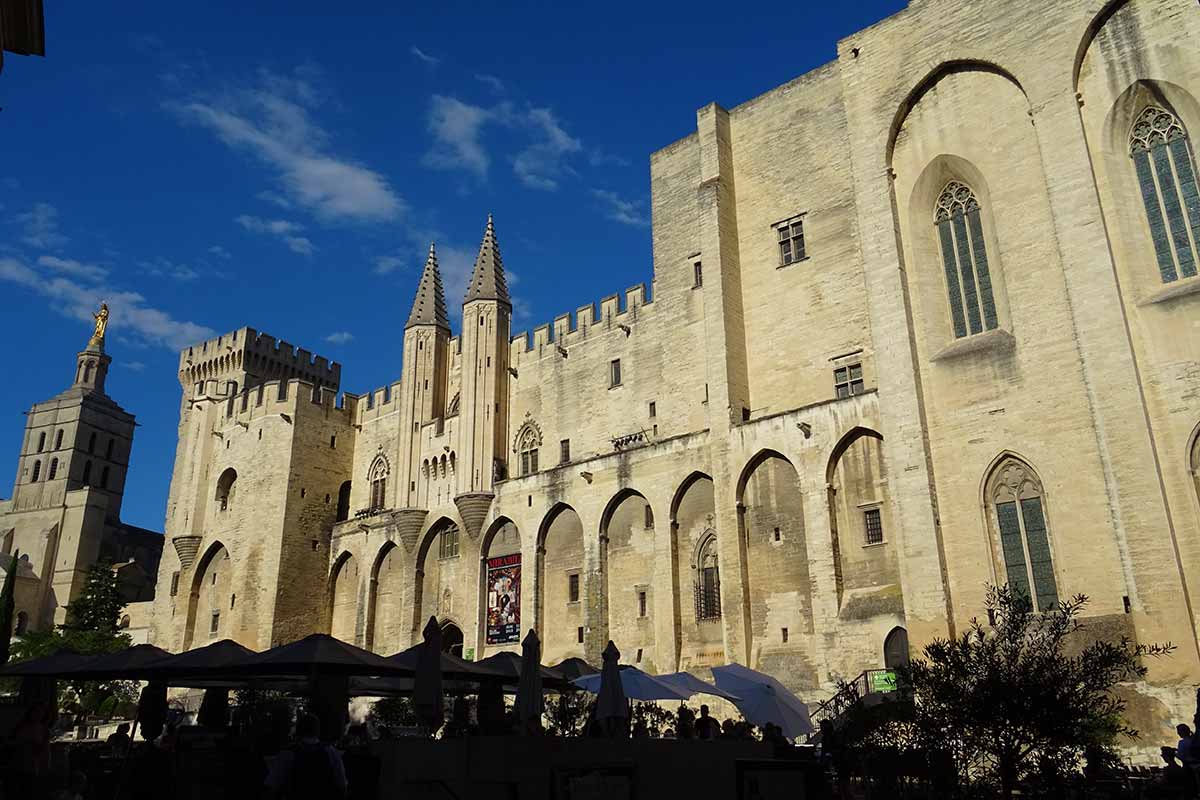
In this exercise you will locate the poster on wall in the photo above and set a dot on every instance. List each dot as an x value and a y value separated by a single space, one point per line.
504 599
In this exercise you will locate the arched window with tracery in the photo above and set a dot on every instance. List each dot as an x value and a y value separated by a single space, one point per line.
529 439
225 488
965 260
1166 173
1016 497
448 543
37 471
707 579
378 476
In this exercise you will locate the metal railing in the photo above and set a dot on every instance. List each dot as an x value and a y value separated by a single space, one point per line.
872 681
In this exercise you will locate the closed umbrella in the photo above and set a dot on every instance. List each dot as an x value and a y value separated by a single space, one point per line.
427 692
572 668
764 699
687 682
152 709
612 709
634 685
530 703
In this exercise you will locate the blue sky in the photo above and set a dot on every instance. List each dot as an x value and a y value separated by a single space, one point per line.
204 166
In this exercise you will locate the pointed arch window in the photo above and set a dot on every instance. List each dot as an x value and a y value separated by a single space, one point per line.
226 487
1018 512
41 441
965 260
53 469
37 471
58 440
1166 173
378 477
707 587
529 439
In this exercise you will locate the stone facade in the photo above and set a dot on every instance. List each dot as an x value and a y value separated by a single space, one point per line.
969 364
65 510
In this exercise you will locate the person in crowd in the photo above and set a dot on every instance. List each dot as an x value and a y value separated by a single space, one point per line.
685 723
707 728
1174 780
31 762
362 766
119 742
310 768
727 729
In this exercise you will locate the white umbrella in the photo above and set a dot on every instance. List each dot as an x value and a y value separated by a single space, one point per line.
687 682
530 703
764 699
634 685
611 703
427 689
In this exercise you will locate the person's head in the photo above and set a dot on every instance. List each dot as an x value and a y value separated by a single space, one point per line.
1168 756
1183 730
123 728
308 726
727 726
704 711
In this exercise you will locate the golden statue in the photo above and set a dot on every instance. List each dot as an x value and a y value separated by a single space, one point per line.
101 318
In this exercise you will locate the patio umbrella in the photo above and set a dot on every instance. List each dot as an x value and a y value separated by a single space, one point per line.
764 699
427 694
572 668
687 682
452 667
634 685
53 665
319 653
128 664
530 703
208 662
509 664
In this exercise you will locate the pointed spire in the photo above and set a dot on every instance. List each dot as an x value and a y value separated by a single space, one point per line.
429 306
487 281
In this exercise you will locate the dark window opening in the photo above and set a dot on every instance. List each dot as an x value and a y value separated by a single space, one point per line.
579 635
697 275
614 372
791 242
641 604
573 588
848 380
564 451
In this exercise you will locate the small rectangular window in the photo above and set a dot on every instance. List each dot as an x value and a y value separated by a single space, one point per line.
783 635
638 659
641 604
697 275
573 588
333 441
791 241
215 623
564 451
848 380
174 583
614 372
653 410
778 535
579 635
873 523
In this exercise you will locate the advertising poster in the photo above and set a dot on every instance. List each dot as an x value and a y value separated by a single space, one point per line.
504 599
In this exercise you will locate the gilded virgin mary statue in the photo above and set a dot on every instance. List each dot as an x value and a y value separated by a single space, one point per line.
101 318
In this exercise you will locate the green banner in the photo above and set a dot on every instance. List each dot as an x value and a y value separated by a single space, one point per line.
882 681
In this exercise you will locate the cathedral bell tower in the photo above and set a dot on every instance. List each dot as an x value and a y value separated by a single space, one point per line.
483 409
423 379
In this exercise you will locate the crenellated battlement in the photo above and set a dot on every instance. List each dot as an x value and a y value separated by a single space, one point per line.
573 328
296 397
377 402
259 354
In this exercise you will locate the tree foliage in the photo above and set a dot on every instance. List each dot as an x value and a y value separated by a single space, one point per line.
1023 699
91 628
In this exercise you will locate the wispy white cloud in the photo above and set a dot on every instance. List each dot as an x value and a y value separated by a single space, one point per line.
340 337
424 57
385 265
456 127
76 269
40 227
598 157
220 252
272 121
285 230
135 366
165 268
542 164
130 313
494 83
618 209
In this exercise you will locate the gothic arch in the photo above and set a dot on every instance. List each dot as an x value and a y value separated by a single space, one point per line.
683 488
420 578
1094 26
560 587
930 80
343 598
493 536
627 549
384 596
754 463
1194 460
215 555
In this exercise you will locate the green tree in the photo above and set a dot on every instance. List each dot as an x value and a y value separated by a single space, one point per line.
91 628
1025 698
